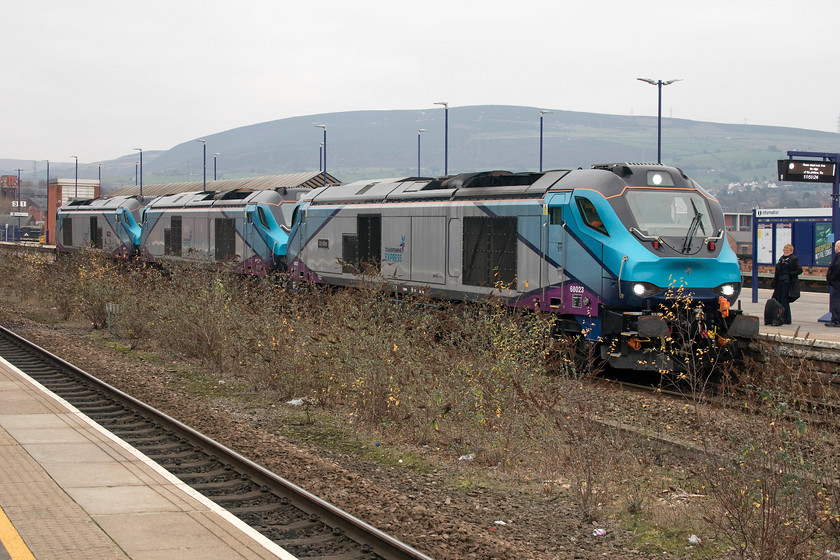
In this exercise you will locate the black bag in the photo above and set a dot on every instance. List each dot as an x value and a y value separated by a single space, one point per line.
773 311
793 293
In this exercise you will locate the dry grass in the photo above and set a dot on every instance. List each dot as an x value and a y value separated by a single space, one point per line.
473 379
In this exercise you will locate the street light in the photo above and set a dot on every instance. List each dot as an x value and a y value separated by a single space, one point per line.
445 135
419 131
543 112
47 221
18 207
325 150
659 84
77 176
141 171
203 143
214 164
100 175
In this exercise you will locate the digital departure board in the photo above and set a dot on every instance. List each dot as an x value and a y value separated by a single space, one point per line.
808 171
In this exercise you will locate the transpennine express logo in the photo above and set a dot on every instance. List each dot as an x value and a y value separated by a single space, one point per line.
394 254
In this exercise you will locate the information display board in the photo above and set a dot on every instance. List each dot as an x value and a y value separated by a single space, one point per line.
807 171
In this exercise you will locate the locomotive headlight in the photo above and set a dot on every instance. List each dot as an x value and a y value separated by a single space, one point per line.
728 290
645 289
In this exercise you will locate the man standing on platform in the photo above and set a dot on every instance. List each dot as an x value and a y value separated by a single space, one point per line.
832 277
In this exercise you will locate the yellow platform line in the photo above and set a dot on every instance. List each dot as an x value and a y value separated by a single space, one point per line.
11 540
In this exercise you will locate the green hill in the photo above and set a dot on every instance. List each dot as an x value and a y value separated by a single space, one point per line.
368 144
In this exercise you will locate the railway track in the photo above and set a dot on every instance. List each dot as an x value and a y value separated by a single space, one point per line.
296 520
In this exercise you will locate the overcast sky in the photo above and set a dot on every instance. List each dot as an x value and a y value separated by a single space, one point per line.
98 78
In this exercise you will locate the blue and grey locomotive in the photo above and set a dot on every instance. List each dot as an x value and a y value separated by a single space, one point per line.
248 228
106 224
608 250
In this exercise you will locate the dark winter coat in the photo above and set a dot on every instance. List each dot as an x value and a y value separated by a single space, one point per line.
832 275
788 269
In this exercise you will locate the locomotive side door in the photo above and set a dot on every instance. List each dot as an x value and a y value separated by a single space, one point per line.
555 216
296 233
249 232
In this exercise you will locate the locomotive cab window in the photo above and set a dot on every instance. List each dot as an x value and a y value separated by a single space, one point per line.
263 220
670 213
590 215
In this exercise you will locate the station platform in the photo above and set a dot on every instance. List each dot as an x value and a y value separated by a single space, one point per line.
69 489
805 312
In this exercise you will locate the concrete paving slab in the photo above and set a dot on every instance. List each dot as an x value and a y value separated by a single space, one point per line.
67 452
88 475
115 500
33 436
165 535
23 421
16 402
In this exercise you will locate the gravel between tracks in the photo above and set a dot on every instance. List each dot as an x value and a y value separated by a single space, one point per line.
420 509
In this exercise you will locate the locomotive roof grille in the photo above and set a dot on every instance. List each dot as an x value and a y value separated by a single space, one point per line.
235 195
489 179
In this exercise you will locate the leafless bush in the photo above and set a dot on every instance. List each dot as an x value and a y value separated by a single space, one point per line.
768 503
469 379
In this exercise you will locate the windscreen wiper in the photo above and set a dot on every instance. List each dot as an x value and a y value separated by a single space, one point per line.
692 228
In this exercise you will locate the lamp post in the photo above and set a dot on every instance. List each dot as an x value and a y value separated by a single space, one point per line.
141 171
204 145
543 112
18 206
100 175
419 132
46 220
659 84
76 195
445 135
214 164
325 150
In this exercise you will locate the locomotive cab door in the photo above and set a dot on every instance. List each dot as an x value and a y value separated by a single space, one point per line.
555 216
249 231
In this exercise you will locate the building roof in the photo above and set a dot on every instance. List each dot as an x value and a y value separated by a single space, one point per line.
309 179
